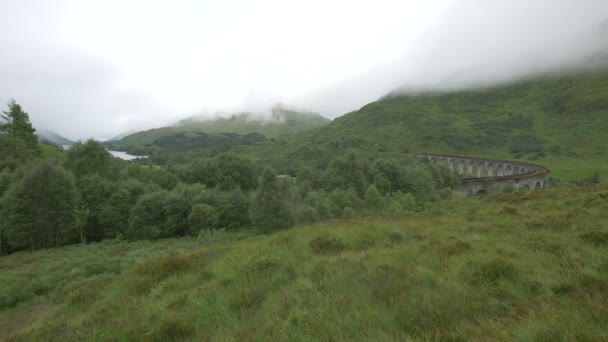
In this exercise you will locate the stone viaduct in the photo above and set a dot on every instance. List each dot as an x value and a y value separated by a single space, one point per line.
482 175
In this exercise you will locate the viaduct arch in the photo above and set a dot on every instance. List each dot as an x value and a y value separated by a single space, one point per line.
481 175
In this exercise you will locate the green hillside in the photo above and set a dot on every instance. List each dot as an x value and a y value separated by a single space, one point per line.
561 116
521 266
561 122
239 126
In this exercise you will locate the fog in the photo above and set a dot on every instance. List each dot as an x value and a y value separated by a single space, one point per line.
100 68
480 43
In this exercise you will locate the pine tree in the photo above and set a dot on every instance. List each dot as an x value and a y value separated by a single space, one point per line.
17 124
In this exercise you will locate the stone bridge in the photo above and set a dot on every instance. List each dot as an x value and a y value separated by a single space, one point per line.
482 175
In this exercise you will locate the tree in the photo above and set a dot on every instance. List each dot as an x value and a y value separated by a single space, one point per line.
14 152
271 208
373 198
235 172
88 158
38 212
95 191
147 216
203 216
233 209
17 124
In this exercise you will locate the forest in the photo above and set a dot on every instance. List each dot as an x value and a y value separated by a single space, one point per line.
52 198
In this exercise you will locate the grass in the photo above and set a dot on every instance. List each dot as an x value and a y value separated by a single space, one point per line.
519 266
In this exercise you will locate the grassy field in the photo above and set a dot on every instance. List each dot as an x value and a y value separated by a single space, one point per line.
520 266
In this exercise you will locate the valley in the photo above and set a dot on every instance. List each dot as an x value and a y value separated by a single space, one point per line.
298 228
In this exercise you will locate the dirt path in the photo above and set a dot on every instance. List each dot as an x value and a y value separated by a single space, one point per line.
22 318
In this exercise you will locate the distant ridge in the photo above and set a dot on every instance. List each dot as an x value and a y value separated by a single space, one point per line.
246 127
52 137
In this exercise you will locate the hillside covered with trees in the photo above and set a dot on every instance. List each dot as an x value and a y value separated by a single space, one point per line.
198 132
84 195
235 238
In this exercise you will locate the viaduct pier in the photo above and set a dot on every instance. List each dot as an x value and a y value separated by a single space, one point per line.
481 175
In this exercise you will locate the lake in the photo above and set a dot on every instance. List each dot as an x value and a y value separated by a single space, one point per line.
125 155
118 154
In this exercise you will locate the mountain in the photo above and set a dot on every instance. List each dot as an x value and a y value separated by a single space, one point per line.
203 132
560 121
52 137
559 115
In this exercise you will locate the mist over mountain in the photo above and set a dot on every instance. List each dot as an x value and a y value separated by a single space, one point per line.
80 77
221 129
478 44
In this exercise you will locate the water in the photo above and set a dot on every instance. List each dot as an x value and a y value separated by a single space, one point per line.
118 154
125 155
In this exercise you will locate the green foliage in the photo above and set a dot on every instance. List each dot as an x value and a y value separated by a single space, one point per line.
88 158
488 122
593 179
525 143
163 214
153 175
236 172
14 152
17 124
326 244
239 129
349 171
373 199
271 206
493 271
6 180
203 217
468 271
94 194
38 212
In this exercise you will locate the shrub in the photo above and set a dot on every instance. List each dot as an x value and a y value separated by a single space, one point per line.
148 274
493 271
593 179
348 213
364 242
395 237
457 248
326 244
173 328
509 210
211 236
525 143
248 299
203 216
596 238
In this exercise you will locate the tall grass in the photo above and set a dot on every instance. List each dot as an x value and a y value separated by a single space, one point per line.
520 266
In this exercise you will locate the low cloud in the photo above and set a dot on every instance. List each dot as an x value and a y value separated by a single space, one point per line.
481 43
73 94
100 68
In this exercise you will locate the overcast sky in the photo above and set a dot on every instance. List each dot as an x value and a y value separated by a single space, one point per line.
99 68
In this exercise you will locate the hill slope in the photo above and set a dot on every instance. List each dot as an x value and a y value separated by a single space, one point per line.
560 122
282 121
521 266
558 115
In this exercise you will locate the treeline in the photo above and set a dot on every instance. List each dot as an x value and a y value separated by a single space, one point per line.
86 195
